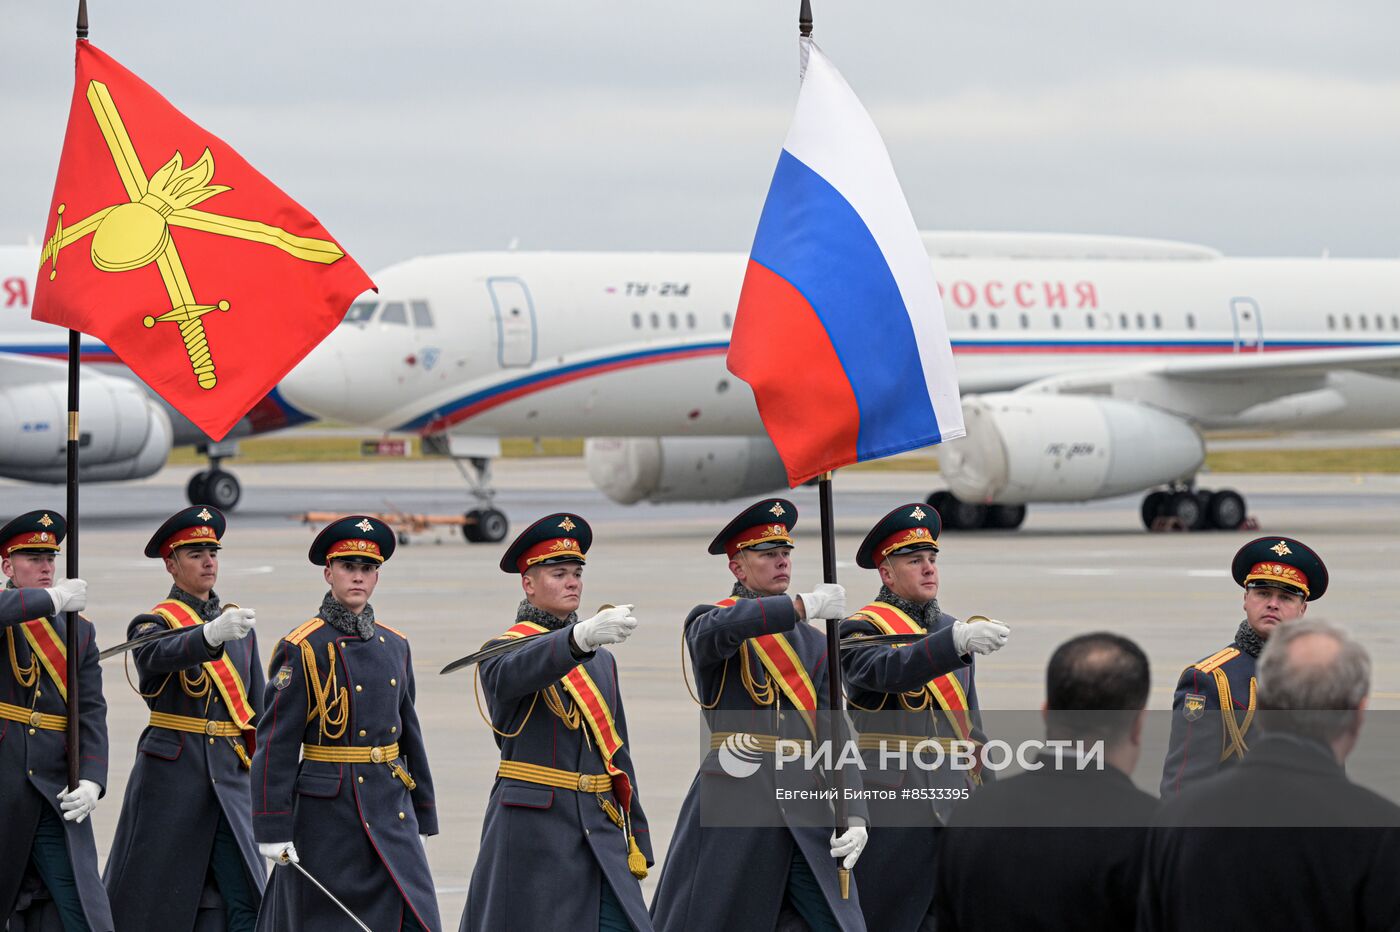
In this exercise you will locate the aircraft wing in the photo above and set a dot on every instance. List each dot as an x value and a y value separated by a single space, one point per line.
17 370
1244 389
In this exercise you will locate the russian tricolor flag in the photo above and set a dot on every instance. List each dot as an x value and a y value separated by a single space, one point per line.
840 329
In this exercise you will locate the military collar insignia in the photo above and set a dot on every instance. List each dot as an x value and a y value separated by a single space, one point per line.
568 524
917 514
1281 548
45 521
777 510
365 526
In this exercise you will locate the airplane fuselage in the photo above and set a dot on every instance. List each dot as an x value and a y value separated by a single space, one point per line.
633 344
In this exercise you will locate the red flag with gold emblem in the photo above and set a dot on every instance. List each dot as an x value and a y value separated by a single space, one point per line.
204 277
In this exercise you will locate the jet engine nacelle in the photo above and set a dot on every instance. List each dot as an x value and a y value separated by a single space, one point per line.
1024 448
125 435
683 469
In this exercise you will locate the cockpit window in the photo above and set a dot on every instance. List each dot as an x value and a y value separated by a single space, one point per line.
394 313
360 312
422 317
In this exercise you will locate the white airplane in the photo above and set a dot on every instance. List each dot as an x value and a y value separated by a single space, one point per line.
1088 366
127 432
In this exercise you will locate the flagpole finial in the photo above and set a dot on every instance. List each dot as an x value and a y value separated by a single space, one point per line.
82 20
804 20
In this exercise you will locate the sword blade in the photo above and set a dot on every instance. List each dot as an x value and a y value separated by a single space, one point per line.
496 648
144 639
486 653
876 640
329 895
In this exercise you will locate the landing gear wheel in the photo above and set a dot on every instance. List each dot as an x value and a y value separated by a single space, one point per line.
1226 510
1186 508
1153 506
222 490
494 525
485 526
195 491
1006 517
940 501
965 516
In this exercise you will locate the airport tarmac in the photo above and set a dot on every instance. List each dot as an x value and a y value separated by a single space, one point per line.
1070 569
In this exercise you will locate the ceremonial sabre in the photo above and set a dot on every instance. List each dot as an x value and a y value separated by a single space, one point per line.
494 649
878 640
144 639
329 895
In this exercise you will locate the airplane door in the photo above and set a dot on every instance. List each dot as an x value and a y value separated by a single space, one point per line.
515 322
1249 325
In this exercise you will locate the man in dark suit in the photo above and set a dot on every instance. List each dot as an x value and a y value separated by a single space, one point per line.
1060 847
1284 839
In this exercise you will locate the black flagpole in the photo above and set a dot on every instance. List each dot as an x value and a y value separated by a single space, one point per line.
833 670
74 361
835 700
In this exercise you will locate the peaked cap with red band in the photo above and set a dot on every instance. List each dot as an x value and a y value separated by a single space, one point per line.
360 538
556 538
761 526
1283 563
908 528
33 532
197 525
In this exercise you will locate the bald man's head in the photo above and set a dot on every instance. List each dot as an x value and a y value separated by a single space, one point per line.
1313 678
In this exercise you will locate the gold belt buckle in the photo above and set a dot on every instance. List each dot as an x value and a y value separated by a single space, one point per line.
376 755
584 782
211 728
34 719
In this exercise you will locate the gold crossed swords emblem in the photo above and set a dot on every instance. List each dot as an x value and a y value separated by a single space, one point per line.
134 234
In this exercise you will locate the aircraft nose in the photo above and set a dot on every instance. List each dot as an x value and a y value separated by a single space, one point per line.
320 384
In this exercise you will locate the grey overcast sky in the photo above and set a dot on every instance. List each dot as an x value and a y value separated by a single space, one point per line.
1261 128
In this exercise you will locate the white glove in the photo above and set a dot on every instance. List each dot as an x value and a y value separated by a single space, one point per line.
979 637
610 626
232 625
68 595
828 600
850 844
78 804
275 850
